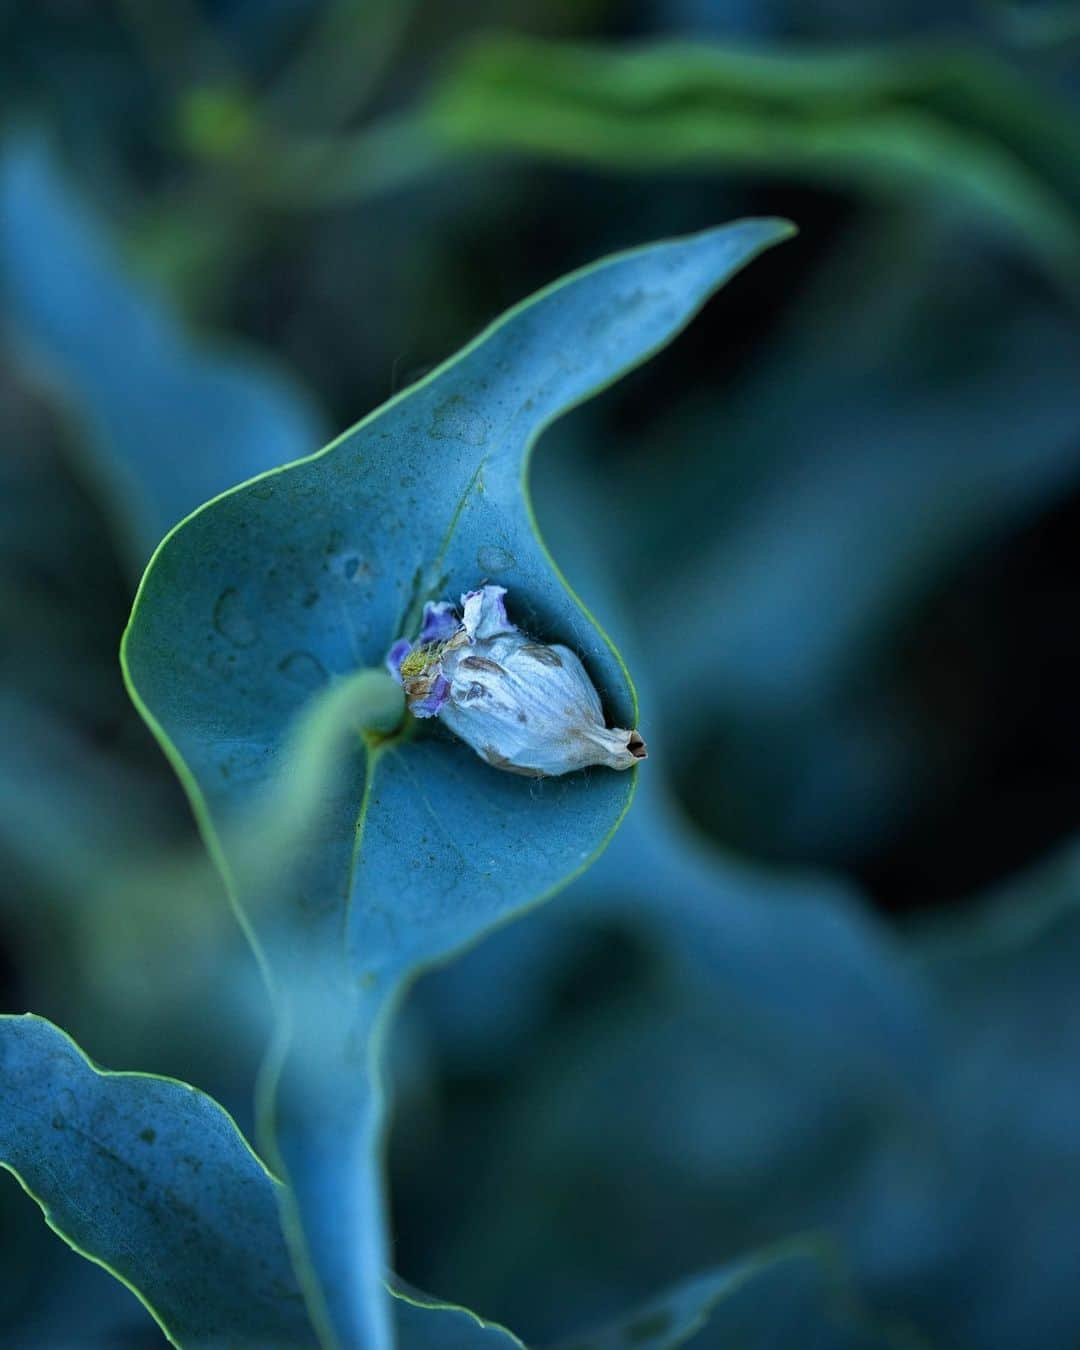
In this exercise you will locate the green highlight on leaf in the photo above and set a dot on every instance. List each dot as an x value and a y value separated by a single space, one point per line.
269 597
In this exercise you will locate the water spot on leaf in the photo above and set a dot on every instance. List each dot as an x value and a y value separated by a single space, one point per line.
232 621
304 669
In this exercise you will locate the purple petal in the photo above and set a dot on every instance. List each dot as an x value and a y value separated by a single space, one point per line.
440 622
436 697
394 657
485 613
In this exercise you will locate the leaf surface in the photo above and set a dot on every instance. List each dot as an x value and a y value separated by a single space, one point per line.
283 586
152 1180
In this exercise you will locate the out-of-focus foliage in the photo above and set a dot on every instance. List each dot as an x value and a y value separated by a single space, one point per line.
231 420
834 532
910 121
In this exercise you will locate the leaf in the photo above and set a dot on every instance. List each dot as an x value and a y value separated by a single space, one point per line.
172 421
309 573
926 121
422 1322
790 1295
152 1180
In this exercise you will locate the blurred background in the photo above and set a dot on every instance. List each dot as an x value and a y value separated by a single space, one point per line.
827 976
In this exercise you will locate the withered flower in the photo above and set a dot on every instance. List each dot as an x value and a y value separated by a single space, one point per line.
524 706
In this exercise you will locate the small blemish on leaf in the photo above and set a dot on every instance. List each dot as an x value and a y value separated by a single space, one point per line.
231 620
148 1135
304 669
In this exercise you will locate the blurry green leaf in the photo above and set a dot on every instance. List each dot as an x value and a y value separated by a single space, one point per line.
345 53
170 422
786 1297
216 121
308 574
925 121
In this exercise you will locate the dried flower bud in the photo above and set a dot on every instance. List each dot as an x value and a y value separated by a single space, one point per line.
522 705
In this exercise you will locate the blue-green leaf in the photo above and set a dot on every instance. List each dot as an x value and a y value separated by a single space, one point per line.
171 422
302 576
152 1180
